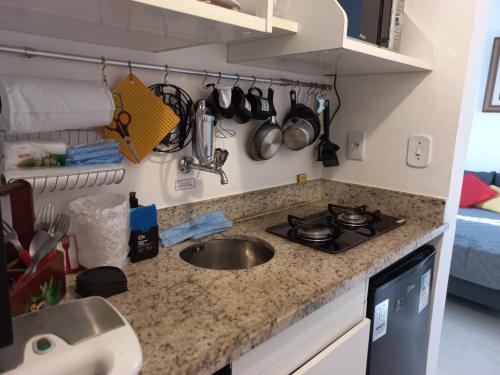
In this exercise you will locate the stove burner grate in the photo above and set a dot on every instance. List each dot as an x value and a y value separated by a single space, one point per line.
314 231
352 217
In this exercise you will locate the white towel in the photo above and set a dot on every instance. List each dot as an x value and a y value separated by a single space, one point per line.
30 105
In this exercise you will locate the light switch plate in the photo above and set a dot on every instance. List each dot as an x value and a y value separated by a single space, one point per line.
419 151
356 144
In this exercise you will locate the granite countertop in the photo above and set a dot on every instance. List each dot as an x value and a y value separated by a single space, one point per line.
191 320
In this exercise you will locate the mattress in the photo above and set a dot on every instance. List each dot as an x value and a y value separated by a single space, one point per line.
476 251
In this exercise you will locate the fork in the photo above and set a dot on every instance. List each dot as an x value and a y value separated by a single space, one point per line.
57 232
65 244
43 218
10 236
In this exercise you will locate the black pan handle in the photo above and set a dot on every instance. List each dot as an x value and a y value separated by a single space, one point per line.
326 121
252 89
270 99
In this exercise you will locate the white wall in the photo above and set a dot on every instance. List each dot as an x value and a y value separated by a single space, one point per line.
483 8
393 107
484 152
154 179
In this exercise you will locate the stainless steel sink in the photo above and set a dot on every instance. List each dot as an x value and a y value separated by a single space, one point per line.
228 253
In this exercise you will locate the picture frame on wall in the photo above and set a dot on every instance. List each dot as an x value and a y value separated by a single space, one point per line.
492 93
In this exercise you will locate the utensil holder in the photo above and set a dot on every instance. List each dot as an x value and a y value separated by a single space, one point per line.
47 286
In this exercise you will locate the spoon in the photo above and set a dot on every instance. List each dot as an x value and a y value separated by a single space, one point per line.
37 241
43 222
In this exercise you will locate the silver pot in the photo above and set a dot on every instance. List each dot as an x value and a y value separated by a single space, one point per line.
298 133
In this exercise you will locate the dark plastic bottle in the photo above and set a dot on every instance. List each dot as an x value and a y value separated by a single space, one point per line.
133 201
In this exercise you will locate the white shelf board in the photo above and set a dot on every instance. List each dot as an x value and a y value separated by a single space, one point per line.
216 13
321 46
149 25
365 58
342 61
284 26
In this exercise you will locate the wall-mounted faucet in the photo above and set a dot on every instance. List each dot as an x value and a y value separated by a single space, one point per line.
209 160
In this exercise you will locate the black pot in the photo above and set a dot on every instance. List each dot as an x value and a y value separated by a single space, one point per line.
227 112
241 106
261 107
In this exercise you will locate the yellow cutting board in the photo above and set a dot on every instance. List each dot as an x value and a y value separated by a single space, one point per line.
151 119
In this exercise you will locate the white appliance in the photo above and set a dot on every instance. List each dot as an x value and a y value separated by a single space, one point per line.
86 336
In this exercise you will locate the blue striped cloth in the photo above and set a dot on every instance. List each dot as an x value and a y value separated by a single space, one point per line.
202 226
102 152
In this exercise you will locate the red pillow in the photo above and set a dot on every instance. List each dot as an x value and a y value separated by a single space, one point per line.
474 190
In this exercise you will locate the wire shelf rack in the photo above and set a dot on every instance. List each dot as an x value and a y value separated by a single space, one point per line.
45 180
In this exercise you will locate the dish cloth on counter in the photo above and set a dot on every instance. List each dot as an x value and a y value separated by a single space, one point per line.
102 152
202 226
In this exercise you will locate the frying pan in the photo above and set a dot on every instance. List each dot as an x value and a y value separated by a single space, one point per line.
265 141
301 126
267 138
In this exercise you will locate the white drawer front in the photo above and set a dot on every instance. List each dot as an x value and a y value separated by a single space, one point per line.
346 356
294 346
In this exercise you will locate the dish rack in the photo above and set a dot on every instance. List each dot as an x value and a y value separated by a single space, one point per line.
65 178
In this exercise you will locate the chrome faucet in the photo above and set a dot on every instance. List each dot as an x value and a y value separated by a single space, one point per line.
203 146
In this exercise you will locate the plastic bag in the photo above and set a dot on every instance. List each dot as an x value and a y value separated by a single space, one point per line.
101 225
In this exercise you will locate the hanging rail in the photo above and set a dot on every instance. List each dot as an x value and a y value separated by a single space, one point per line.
30 52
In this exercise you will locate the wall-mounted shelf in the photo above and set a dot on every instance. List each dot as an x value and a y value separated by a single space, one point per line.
322 47
150 25
44 180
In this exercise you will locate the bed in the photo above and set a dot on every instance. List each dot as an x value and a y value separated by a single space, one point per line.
475 264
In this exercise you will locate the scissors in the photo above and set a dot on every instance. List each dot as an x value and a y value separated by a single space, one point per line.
120 125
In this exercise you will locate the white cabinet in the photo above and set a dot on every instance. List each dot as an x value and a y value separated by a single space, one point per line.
296 345
148 25
346 356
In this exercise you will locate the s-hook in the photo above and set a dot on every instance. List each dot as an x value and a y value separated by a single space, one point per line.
167 71
237 80
253 82
218 79
103 73
130 71
203 86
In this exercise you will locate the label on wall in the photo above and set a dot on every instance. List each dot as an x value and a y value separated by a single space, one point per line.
185 184
380 320
425 283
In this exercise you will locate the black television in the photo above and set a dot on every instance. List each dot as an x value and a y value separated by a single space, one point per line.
6 337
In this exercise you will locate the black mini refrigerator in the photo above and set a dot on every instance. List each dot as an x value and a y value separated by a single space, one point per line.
399 300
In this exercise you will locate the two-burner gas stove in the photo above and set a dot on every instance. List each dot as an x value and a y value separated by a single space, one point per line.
337 229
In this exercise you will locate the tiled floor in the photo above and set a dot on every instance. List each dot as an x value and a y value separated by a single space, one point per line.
470 342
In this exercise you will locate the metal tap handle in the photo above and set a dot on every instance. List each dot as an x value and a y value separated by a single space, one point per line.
220 156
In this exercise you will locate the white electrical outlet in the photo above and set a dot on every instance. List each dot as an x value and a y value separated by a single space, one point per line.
356 144
419 151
